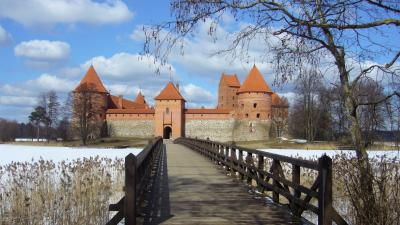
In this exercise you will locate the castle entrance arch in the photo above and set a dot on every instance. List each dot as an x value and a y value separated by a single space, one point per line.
167 132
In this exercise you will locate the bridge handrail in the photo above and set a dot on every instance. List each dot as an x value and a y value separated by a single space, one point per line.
137 175
252 168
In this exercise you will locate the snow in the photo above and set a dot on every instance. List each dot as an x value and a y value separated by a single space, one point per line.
314 154
21 153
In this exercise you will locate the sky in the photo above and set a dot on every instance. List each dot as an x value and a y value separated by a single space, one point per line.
49 45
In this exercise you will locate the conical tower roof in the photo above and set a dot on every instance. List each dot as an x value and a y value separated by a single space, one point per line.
254 82
230 80
170 92
140 99
91 80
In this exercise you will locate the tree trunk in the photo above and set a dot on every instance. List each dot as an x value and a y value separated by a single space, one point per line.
365 171
38 132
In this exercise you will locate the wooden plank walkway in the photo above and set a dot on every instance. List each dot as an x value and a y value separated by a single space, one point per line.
192 190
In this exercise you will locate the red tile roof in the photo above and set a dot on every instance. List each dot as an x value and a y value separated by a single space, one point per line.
169 93
207 111
126 104
91 80
254 82
131 111
230 80
140 99
277 101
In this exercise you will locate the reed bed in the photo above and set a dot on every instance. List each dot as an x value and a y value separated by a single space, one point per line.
68 192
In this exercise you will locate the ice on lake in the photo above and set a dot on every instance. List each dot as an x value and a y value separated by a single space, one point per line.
22 153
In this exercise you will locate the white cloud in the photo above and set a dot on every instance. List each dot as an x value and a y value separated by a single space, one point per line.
47 82
18 100
200 58
43 50
5 37
48 12
131 68
197 96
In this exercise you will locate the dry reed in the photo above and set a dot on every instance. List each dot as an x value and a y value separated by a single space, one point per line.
44 192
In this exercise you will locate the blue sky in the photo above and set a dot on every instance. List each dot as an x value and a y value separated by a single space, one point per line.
48 45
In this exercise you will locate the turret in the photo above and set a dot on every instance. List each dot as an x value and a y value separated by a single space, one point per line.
254 97
228 87
169 109
93 87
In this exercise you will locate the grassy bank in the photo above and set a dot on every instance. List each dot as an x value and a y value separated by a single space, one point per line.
98 143
277 144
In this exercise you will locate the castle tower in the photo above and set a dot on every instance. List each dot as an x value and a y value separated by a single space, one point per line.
169 109
141 101
228 87
92 85
254 98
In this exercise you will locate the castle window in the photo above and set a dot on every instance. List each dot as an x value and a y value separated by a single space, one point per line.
255 105
233 97
167 110
233 105
258 115
222 97
242 105
247 115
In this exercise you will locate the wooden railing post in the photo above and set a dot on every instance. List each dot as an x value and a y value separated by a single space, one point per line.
130 190
275 172
240 162
249 165
260 167
325 191
296 192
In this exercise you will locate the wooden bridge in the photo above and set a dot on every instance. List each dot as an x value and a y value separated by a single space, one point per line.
202 182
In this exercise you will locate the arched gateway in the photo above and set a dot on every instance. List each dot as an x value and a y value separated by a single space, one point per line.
167 132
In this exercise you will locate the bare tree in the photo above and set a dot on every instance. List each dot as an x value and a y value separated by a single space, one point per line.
280 117
49 101
88 110
341 34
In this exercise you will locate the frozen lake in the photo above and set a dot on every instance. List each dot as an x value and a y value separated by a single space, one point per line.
21 153
315 154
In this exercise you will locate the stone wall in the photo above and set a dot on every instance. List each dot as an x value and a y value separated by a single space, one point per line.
216 130
228 130
131 128
251 130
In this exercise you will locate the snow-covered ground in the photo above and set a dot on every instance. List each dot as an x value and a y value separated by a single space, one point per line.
314 154
21 153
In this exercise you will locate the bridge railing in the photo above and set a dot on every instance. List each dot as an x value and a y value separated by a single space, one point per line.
137 176
251 165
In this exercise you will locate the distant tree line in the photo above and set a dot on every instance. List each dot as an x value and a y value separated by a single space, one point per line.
318 112
49 119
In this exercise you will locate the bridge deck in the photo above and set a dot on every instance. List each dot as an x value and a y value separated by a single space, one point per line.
192 190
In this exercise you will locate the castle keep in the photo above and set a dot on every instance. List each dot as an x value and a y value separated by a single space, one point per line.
251 111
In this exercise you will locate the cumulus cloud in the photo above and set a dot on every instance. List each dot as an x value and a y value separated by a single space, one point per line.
132 68
48 12
200 56
5 37
18 100
197 96
43 50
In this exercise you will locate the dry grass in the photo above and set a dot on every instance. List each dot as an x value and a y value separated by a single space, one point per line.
277 144
43 192
102 143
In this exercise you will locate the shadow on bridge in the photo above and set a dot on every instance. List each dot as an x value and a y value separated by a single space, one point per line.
158 207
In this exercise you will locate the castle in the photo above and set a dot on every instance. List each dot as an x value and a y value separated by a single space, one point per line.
251 111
